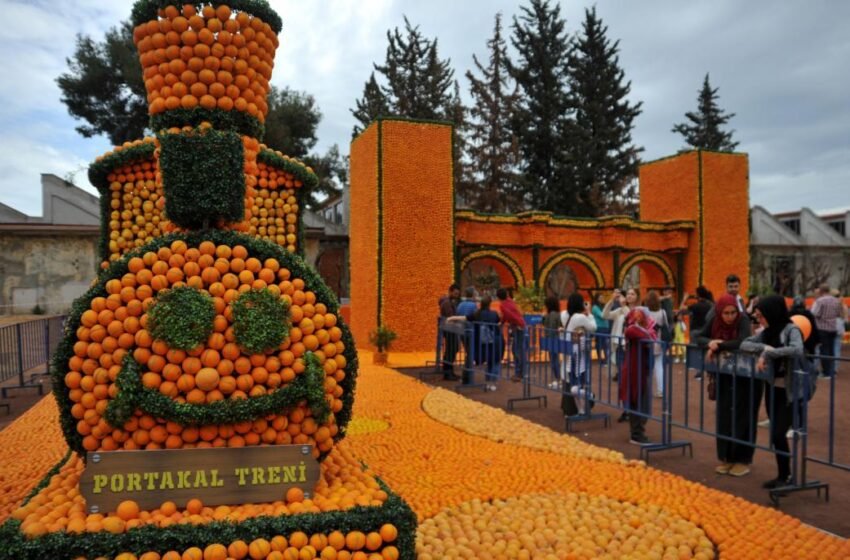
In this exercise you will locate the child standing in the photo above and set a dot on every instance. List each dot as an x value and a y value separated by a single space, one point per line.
680 330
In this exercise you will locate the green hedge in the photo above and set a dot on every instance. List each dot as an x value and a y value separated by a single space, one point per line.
146 10
298 169
233 120
99 170
261 320
202 177
182 317
13 545
256 247
133 395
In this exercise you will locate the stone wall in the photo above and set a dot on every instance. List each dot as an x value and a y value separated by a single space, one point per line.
45 269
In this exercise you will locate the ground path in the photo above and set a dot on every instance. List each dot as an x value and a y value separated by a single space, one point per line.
448 476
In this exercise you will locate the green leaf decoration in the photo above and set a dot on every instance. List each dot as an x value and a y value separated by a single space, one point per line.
146 10
182 317
260 320
202 177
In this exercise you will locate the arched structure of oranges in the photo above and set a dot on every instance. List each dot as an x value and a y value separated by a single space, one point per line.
109 331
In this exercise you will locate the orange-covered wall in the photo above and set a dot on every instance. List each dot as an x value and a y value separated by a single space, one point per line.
712 189
726 218
669 190
363 235
417 254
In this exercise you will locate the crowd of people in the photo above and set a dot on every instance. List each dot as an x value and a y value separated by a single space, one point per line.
640 337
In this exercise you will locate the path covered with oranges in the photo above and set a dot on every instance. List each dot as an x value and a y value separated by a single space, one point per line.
485 484
551 503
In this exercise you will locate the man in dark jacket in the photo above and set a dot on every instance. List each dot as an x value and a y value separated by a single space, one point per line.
448 308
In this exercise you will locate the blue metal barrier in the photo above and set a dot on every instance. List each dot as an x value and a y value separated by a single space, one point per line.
26 346
548 361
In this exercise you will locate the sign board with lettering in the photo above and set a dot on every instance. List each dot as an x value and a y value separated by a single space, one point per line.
216 476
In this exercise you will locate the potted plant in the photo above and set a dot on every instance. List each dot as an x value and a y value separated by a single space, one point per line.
381 338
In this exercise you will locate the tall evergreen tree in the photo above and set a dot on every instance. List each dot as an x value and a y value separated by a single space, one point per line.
602 157
291 122
703 130
332 170
461 165
542 123
372 105
417 84
492 145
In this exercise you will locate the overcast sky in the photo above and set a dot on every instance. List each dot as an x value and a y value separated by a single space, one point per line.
782 67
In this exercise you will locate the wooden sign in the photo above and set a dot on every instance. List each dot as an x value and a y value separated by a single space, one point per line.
216 476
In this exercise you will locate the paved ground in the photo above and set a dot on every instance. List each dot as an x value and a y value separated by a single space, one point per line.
830 516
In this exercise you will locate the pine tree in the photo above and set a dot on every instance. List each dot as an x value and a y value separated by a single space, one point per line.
542 122
291 122
332 170
602 158
461 165
703 131
372 105
492 144
417 82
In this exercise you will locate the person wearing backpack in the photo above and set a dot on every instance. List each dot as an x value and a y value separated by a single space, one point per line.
487 334
780 345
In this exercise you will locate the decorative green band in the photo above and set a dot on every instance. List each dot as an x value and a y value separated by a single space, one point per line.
504 258
179 537
132 395
636 258
203 177
577 256
290 165
100 169
42 484
380 248
551 220
146 10
237 121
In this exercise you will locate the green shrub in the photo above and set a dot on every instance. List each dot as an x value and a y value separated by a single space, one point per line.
182 317
260 320
382 338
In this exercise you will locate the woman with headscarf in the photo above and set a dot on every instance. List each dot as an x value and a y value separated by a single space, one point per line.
779 342
617 317
738 395
640 337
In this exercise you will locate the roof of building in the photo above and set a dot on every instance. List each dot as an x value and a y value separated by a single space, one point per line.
63 203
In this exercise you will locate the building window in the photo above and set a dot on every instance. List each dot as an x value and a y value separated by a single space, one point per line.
783 276
840 227
793 225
